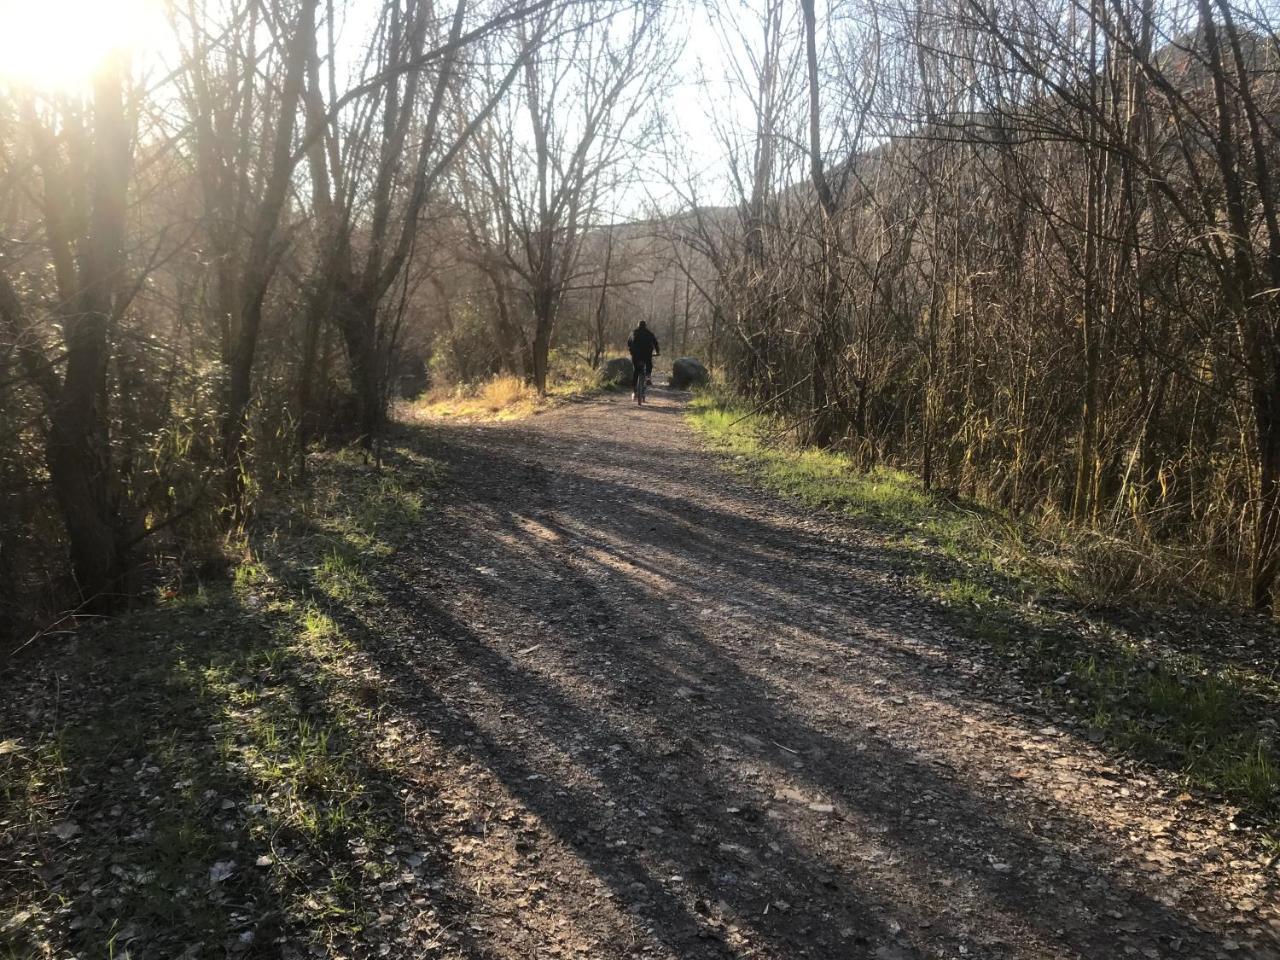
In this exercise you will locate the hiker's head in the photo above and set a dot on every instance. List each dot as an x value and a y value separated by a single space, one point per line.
642 326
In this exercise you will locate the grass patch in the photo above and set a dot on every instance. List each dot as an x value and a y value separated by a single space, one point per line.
816 478
502 398
1146 691
207 802
340 575
502 392
505 397
200 774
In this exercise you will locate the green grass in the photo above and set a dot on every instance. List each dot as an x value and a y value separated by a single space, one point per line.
224 726
815 478
234 759
991 573
340 575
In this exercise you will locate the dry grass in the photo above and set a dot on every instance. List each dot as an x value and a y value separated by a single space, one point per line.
503 392
505 397
502 398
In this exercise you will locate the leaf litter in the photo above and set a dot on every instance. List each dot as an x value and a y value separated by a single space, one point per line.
575 746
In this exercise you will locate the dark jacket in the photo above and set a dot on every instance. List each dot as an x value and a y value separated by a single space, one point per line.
643 343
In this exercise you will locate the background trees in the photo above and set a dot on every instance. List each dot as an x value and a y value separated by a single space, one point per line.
540 176
1047 282
212 255
1028 250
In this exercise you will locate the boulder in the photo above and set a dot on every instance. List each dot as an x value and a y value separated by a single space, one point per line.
618 372
689 372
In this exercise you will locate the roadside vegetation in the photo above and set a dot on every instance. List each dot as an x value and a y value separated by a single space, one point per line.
505 397
1143 660
201 773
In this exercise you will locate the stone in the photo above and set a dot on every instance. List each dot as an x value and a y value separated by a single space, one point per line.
617 372
688 372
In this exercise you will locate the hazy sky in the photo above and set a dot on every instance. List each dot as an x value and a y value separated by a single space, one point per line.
56 43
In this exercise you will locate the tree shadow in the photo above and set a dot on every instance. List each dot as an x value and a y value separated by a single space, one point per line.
623 709
547 639
194 781
650 499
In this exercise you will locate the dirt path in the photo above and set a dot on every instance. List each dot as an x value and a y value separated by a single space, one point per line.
647 711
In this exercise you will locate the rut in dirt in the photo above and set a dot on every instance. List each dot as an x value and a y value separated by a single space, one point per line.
650 711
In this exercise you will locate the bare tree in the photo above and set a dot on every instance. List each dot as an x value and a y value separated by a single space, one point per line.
244 189
84 163
549 153
402 151
988 193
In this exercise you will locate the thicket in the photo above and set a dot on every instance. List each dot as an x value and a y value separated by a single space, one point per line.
246 243
1030 251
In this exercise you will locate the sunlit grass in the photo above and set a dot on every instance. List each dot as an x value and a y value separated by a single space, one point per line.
505 397
340 576
502 392
249 574
502 398
816 478
318 626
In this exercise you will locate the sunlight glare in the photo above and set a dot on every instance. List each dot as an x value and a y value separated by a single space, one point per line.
58 44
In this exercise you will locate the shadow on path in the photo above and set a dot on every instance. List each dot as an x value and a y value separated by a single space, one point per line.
688 688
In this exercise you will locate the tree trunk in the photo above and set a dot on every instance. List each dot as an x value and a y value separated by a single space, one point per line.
541 353
1083 501
1266 550
78 453
359 329
824 428
317 306
80 473
602 308
684 332
260 266
508 337
546 301
239 394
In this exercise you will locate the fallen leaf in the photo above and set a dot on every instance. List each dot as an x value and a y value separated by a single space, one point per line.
221 870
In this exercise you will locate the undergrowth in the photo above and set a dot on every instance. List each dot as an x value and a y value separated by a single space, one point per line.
198 775
505 397
501 398
1162 693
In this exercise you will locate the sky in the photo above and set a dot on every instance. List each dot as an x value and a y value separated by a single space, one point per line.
55 44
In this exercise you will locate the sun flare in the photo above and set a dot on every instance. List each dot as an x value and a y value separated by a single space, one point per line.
58 44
